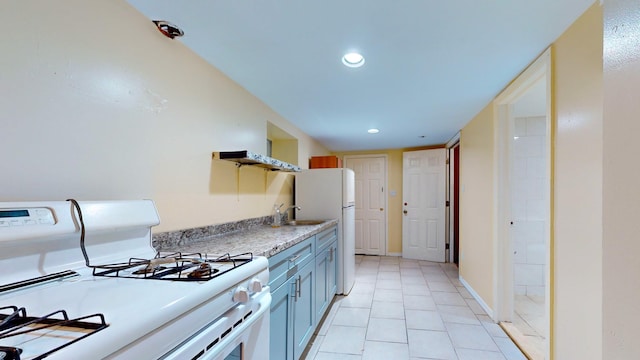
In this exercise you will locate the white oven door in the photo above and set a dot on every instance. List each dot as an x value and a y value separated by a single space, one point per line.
241 333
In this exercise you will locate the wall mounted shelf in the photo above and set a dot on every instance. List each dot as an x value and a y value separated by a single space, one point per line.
244 157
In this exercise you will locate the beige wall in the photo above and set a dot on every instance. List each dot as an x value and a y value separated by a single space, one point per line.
577 87
577 193
97 104
621 263
477 204
287 150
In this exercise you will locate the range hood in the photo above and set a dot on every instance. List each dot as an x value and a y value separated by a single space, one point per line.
244 157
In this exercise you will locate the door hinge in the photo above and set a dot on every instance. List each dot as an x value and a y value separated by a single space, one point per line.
447 162
446 246
446 203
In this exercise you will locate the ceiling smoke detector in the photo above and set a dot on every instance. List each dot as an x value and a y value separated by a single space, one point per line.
168 29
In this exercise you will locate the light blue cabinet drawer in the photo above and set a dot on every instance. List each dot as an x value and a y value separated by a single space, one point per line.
286 263
325 238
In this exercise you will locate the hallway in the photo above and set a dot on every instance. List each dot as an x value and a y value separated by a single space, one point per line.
408 309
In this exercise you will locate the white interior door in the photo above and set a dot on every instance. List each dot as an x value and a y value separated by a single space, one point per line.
370 215
423 200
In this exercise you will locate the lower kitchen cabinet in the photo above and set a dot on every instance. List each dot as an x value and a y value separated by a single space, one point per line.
303 282
292 319
280 331
326 280
332 277
303 309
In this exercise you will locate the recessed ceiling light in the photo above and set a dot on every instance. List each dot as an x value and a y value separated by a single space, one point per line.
373 131
353 59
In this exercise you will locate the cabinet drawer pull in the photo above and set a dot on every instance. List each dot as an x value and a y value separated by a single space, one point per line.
294 258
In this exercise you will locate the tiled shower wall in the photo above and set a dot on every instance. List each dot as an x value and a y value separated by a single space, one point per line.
528 210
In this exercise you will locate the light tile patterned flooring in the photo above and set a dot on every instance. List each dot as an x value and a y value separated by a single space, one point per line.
408 309
529 319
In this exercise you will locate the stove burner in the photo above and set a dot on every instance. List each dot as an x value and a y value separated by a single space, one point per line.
148 270
203 271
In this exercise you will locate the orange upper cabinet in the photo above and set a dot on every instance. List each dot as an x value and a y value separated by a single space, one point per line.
322 162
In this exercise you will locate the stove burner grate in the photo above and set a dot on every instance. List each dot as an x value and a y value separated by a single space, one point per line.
14 322
174 266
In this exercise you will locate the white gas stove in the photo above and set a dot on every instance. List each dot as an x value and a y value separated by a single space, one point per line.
80 280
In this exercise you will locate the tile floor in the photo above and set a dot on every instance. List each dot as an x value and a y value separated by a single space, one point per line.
528 319
408 309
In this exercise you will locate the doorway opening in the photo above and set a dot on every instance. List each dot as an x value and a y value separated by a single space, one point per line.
453 200
523 212
456 204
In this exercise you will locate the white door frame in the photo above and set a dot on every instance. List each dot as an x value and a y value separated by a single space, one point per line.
455 141
503 133
385 197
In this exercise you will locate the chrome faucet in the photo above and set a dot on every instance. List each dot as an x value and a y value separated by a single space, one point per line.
289 208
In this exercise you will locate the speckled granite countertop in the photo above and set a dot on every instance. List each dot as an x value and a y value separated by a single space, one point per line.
260 240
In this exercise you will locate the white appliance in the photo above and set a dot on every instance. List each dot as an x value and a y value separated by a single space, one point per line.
330 194
80 280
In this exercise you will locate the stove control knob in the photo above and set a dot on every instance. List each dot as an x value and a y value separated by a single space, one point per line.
241 294
255 285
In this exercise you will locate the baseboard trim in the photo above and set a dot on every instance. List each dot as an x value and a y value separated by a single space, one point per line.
394 254
477 297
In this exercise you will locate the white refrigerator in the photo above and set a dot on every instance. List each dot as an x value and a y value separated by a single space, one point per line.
330 194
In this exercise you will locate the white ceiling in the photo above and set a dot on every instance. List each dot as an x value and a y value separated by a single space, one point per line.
430 65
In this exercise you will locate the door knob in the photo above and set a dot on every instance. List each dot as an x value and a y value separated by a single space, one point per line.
405 212
381 209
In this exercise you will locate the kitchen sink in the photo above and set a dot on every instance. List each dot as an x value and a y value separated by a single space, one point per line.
304 222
